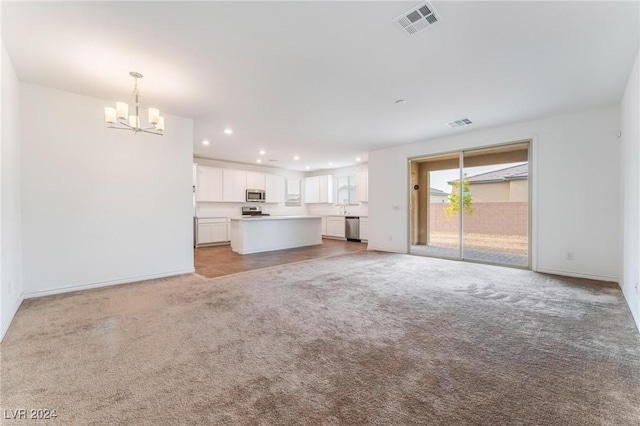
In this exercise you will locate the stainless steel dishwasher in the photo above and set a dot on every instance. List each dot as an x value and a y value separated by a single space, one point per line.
352 228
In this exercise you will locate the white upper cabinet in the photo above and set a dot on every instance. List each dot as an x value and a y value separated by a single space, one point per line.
256 180
326 189
274 188
214 184
311 189
318 189
362 186
209 184
195 174
234 185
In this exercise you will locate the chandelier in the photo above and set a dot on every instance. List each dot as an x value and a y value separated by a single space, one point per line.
119 118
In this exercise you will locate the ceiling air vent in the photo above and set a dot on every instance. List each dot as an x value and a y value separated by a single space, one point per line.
418 19
458 123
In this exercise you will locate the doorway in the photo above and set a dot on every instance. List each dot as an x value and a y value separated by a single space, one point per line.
473 205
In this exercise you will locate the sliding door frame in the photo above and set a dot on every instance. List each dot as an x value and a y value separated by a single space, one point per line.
532 240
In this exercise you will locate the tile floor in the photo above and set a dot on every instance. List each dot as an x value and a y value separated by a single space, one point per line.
217 261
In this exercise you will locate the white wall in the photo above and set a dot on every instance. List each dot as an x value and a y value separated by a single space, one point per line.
11 288
235 209
575 177
630 191
100 206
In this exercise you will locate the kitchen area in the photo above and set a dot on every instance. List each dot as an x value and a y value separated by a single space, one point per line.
242 210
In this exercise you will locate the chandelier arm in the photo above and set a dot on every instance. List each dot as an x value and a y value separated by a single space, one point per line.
153 133
126 125
120 128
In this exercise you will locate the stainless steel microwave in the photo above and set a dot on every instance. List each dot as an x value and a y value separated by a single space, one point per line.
256 196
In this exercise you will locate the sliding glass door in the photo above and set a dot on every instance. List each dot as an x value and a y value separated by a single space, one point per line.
496 223
472 205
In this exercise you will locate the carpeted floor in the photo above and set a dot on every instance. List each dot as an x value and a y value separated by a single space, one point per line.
365 338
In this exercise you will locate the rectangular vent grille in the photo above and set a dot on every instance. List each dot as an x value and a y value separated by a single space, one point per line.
458 123
418 19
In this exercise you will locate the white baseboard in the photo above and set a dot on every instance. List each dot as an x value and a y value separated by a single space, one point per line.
9 318
632 301
577 275
29 295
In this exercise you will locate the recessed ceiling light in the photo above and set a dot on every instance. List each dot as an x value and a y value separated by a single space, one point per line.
205 142
401 102
358 159
330 163
307 168
296 158
228 131
262 152
258 161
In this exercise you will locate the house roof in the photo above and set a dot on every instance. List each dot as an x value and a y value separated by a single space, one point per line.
436 191
520 171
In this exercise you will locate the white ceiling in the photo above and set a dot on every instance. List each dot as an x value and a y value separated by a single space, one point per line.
319 79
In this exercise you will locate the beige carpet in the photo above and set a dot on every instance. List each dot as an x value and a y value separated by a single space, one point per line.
366 338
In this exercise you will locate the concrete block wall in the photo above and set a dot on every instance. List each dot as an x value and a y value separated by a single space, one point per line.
503 218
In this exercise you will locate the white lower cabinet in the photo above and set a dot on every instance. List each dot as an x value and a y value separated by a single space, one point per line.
212 230
335 227
324 226
364 228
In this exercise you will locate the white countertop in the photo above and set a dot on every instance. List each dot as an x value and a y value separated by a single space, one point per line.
259 218
345 215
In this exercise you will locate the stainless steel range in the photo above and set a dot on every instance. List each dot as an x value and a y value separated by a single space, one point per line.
253 212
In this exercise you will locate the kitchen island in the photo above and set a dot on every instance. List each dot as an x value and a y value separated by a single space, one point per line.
268 233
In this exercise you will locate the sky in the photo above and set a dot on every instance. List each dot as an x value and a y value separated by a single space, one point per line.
440 178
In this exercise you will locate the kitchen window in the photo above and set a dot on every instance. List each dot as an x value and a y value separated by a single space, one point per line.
346 190
293 193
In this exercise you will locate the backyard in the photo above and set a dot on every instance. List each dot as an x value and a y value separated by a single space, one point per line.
517 244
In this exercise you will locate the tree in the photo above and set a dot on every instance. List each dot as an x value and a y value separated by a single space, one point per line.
454 198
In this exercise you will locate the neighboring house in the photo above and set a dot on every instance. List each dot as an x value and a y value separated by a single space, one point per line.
510 184
437 196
